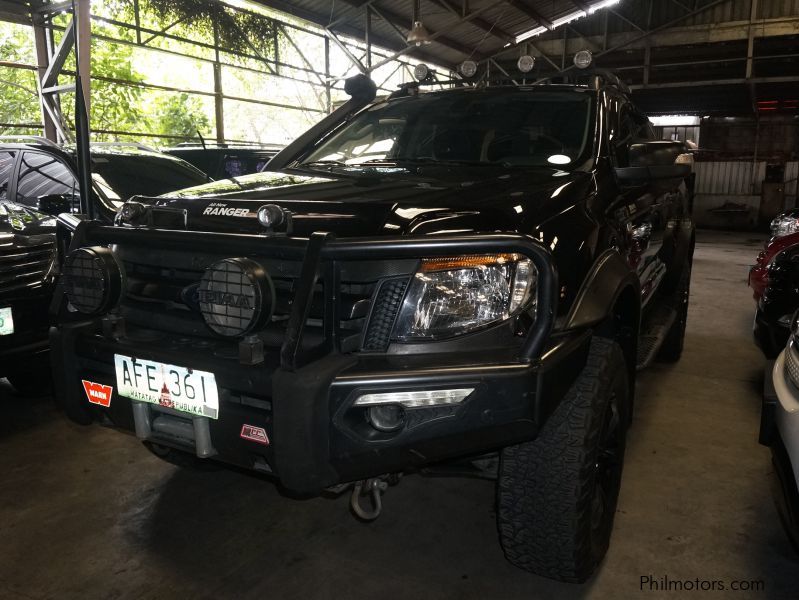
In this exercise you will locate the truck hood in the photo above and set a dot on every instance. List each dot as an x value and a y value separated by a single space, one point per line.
21 220
455 201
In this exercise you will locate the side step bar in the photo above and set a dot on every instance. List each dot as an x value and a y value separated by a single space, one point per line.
653 334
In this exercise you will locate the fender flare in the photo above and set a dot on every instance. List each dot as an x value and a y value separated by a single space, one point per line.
608 277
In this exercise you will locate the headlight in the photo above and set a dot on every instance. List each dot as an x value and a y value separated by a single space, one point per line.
92 280
236 297
784 225
451 296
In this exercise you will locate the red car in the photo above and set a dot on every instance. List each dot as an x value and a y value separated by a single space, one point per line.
774 280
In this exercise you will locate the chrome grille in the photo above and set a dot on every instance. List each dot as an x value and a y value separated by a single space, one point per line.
24 265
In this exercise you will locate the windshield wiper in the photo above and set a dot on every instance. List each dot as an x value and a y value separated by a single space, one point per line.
324 163
428 160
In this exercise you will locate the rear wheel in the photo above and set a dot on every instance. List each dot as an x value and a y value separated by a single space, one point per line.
557 494
33 378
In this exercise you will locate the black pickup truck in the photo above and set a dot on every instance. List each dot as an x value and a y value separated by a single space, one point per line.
27 274
454 274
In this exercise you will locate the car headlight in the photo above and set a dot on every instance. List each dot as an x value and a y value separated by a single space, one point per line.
451 296
784 225
92 280
236 297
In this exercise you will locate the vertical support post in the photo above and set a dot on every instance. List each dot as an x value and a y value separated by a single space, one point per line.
42 60
328 101
83 44
565 50
219 110
648 46
750 48
276 44
137 21
368 36
605 29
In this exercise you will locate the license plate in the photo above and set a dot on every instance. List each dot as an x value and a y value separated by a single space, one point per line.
6 321
179 388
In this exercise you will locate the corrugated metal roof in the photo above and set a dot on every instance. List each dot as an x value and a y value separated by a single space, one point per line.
493 24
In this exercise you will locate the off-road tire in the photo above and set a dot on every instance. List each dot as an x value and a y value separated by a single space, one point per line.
550 490
33 379
672 347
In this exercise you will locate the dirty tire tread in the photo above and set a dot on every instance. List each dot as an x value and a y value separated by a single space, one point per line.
545 485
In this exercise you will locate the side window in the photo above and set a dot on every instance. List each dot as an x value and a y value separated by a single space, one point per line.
43 175
6 167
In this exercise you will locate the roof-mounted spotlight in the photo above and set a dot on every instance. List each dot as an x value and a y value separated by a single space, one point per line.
421 72
525 63
468 68
583 59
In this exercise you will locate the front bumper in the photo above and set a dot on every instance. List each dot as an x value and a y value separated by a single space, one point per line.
31 324
779 429
316 437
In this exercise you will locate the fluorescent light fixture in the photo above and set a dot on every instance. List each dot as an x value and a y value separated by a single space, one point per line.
675 121
573 16
415 399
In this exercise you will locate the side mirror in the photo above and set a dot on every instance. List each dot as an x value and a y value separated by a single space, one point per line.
662 162
55 204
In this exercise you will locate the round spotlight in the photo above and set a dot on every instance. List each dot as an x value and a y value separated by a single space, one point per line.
583 59
92 280
271 216
525 63
236 297
386 417
421 71
468 68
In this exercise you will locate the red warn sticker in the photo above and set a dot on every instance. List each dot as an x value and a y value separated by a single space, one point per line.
254 434
97 393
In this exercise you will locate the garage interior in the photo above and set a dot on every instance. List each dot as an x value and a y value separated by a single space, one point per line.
87 513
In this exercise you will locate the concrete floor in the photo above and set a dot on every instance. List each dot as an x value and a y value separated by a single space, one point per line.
88 513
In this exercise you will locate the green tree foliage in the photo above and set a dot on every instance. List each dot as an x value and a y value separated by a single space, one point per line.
117 103
179 115
18 97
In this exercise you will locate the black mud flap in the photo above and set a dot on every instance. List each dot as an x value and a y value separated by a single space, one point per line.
301 413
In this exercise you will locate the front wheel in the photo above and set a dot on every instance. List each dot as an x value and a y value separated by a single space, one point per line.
557 494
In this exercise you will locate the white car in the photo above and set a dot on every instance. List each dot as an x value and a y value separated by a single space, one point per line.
779 429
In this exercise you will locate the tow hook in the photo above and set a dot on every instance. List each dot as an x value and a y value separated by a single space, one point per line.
373 487
366 498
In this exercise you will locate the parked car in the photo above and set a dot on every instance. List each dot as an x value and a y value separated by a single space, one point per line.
38 179
27 272
774 280
223 161
43 175
428 276
779 429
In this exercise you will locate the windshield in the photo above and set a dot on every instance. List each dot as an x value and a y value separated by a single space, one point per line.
508 127
120 177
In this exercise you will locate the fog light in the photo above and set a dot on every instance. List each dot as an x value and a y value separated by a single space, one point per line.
415 399
92 280
389 417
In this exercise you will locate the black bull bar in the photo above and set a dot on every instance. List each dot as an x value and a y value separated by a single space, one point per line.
320 254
